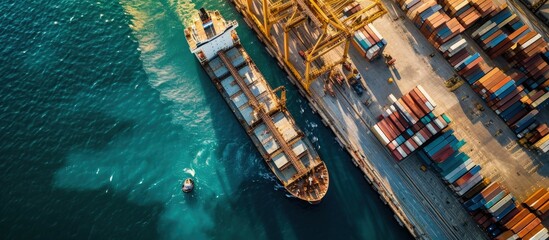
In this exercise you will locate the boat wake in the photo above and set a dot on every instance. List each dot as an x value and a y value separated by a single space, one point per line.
190 171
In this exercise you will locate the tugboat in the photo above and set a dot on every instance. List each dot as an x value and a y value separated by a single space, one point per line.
188 185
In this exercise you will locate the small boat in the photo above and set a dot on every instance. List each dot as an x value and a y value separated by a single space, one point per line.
188 185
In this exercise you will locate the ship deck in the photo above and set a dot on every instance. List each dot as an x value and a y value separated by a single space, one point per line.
287 152
201 32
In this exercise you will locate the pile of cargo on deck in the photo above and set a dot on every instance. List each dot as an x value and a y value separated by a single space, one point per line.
369 42
490 204
515 97
526 223
408 123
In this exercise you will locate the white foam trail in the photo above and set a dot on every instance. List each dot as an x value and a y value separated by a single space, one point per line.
190 171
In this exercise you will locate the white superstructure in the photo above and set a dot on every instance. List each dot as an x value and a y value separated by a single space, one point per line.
210 33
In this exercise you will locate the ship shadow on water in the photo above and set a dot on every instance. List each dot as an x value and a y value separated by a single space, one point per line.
250 185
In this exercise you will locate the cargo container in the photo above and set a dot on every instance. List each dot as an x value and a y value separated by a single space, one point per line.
539 202
521 215
491 202
463 179
501 205
510 215
522 223
467 186
543 210
476 189
534 223
464 167
535 196
504 211
538 229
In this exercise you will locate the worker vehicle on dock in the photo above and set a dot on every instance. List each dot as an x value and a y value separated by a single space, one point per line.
356 85
284 147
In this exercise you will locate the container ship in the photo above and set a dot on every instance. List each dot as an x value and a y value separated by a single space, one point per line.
283 146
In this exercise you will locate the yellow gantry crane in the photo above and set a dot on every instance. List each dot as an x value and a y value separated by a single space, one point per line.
326 23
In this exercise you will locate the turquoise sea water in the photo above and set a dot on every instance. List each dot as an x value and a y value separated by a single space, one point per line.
104 112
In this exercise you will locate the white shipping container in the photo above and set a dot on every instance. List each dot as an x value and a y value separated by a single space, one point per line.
456 45
470 185
417 140
405 114
431 129
428 104
458 168
381 135
545 149
501 202
529 42
544 145
541 235
375 31
452 51
504 22
484 29
399 149
439 123
372 52
409 145
420 88
447 45
423 140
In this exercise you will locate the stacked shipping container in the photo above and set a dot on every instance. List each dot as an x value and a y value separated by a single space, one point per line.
516 97
489 202
369 42
408 123
524 224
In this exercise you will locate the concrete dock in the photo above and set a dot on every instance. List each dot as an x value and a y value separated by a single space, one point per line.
421 202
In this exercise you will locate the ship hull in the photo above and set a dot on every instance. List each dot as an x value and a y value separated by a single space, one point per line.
242 122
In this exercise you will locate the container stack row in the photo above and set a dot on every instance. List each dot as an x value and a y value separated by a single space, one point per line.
492 207
511 103
369 42
464 11
506 35
526 223
516 97
455 168
408 123
433 23
537 137
489 203
499 32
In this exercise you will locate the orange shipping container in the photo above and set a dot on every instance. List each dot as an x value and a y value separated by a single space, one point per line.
522 223
535 196
534 223
523 213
